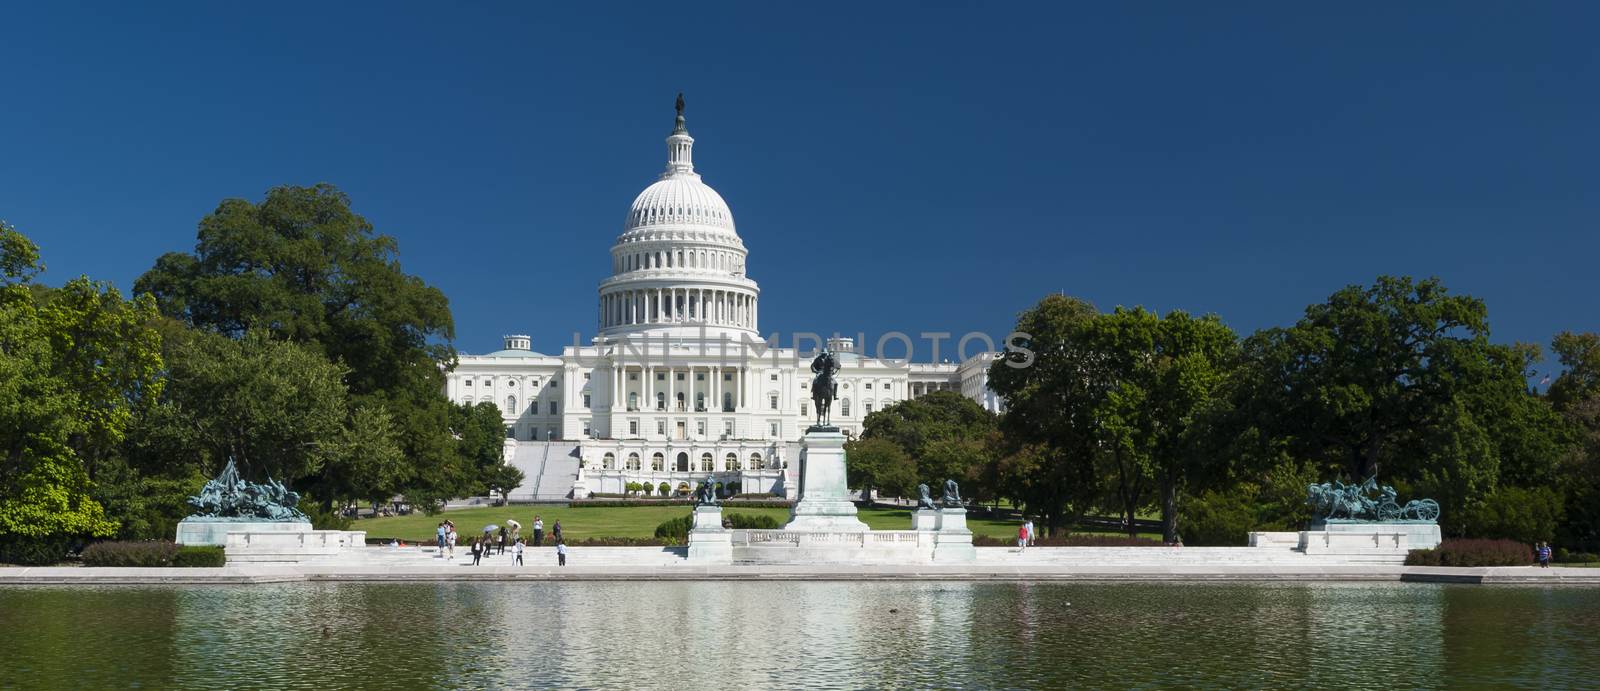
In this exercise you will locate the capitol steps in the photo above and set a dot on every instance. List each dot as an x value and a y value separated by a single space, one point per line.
549 470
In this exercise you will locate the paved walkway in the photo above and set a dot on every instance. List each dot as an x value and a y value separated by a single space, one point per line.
1066 564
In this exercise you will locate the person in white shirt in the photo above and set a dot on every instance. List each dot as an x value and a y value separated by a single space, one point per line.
561 554
1032 536
516 549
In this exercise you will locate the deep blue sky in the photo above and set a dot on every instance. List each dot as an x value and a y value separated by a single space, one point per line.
955 163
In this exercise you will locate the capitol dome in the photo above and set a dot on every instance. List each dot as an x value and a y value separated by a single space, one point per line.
681 200
678 268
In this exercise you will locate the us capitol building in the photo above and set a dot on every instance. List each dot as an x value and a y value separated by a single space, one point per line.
678 386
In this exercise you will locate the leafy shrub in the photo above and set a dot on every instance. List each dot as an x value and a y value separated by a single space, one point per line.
1472 552
745 521
623 542
676 528
613 503
1070 540
663 489
130 554
1516 513
331 519
34 551
200 556
1217 519
631 488
646 488
1566 557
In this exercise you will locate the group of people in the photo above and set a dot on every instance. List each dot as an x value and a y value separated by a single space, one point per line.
497 541
1026 535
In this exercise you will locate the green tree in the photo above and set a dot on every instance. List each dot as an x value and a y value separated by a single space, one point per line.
1575 394
304 267
1400 377
73 365
944 433
504 478
480 437
1049 426
880 464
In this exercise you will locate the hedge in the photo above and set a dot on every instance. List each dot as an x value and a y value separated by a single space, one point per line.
34 551
614 503
145 554
1467 552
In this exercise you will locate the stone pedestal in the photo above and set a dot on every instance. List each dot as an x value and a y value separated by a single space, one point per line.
925 519
824 503
1418 535
952 541
708 540
214 531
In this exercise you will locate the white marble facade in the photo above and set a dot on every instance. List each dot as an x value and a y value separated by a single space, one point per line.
678 385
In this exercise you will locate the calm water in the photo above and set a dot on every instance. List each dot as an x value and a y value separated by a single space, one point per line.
812 635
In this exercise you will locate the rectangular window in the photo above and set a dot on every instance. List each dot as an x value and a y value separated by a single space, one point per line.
533 433
774 376
869 385
468 382
586 429
511 433
727 377
727 428
633 376
803 408
552 407
699 376
774 402
700 428
680 376
661 427
633 428
586 400
661 376
774 429
586 376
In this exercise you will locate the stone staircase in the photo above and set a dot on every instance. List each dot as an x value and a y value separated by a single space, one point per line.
549 471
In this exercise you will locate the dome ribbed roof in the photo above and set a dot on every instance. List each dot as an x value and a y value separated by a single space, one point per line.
680 200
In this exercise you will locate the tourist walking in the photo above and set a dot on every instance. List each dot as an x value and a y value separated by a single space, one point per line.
555 531
1542 552
500 541
1022 537
1032 536
477 550
516 551
450 538
538 531
561 551
440 534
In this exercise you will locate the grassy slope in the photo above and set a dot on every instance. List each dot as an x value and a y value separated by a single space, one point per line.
634 521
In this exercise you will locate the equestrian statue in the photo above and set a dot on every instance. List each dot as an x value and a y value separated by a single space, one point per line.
824 388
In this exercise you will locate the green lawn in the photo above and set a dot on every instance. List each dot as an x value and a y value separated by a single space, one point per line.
621 521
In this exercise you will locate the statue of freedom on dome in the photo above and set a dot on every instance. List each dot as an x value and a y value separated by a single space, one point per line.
823 387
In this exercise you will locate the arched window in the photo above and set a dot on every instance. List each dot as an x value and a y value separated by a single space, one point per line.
608 461
511 404
727 402
467 401
732 461
683 462
658 462
706 464
700 400
844 407
661 400
633 461
755 461
633 400
680 400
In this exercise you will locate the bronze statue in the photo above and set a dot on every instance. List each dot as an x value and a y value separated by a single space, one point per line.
923 500
229 496
679 104
706 494
824 388
952 494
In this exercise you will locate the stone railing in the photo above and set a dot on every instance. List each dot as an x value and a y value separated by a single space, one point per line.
806 538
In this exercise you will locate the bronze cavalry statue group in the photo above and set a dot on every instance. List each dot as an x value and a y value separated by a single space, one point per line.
1337 501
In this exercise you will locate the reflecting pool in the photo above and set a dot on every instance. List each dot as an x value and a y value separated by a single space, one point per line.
798 634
